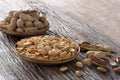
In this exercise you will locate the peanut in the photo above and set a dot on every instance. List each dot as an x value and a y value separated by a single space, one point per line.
79 64
98 61
8 19
28 24
16 14
12 25
90 53
20 23
20 30
78 73
87 62
54 52
101 69
38 24
11 13
63 69
31 29
42 18
36 16
112 63
46 23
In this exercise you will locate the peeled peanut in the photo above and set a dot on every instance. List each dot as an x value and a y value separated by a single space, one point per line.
79 64
54 52
20 30
38 24
63 69
31 29
20 23
87 62
101 69
78 73
28 24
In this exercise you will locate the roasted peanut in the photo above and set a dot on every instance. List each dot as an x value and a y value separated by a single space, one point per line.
101 69
36 16
79 64
54 52
63 69
20 23
87 62
78 73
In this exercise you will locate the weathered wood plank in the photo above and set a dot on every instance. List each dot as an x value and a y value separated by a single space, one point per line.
14 68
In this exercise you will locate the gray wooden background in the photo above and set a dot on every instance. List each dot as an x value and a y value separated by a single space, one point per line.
80 20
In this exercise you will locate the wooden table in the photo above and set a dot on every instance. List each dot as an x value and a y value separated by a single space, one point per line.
96 21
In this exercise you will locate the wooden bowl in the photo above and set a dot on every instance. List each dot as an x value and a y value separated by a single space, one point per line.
50 62
24 34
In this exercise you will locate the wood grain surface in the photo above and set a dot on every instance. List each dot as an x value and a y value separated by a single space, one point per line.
81 20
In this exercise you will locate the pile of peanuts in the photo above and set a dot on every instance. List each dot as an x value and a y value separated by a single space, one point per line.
96 55
28 21
47 48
